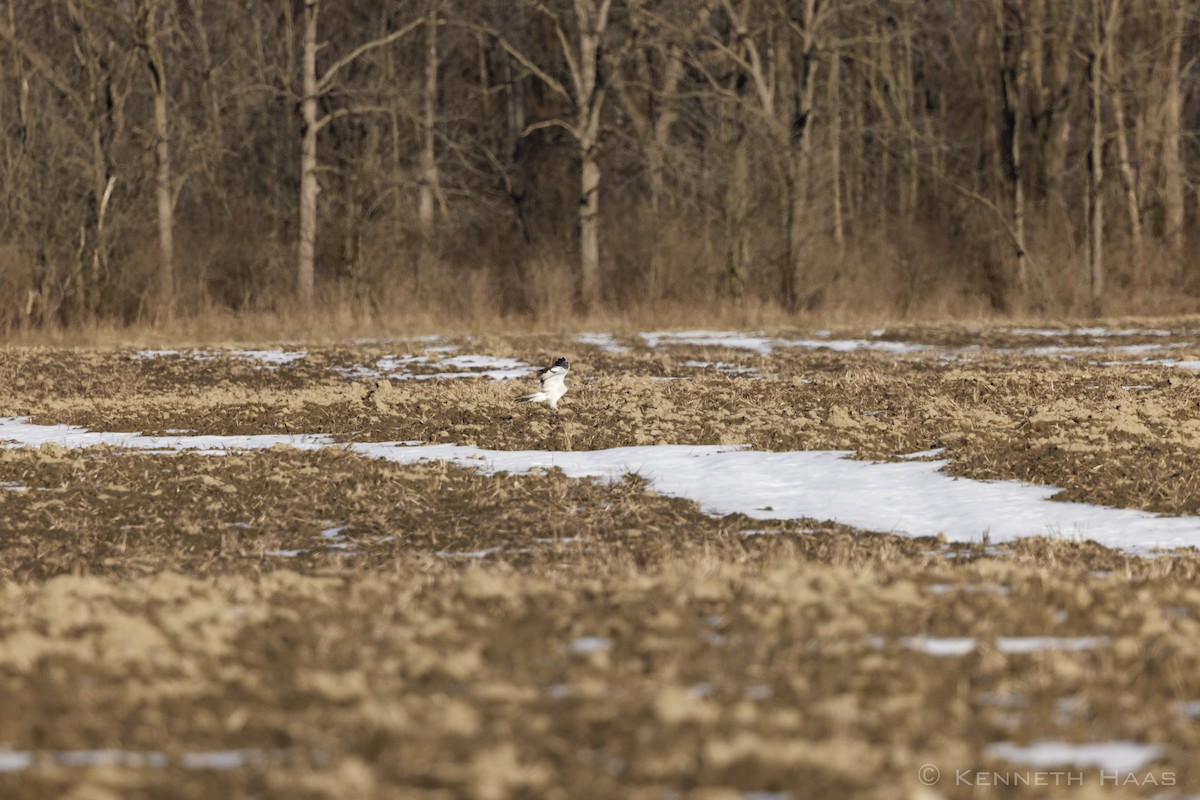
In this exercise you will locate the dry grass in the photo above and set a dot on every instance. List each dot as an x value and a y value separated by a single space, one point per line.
512 636
1116 434
339 318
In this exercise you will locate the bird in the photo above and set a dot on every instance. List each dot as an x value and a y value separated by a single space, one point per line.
555 383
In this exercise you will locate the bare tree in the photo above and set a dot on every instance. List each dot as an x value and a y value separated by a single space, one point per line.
1014 77
1104 20
951 147
649 93
314 86
146 25
429 184
1173 17
97 102
1114 86
780 64
1051 47
579 33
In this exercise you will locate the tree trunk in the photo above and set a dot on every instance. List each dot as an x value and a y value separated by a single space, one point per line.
1172 129
589 102
738 194
429 168
1013 76
1096 159
793 273
589 227
1051 43
835 149
1128 173
798 124
308 159
659 146
164 198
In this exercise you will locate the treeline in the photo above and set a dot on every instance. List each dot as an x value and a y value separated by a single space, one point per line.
162 157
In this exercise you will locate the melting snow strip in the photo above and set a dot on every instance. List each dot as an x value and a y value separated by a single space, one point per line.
912 498
462 366
218 760
766 345
586 645
950 646
986 588
472 554
1118 756
603 341
271 358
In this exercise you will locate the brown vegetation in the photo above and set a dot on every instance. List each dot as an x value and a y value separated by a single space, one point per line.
1117 435
501 159
326 625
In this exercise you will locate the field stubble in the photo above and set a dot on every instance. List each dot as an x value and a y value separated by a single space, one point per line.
360 628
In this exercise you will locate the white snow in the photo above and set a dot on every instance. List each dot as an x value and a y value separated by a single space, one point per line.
1033 644
586 645
724 367
1192 365
727 339
604 341
473 554
910 497
287 553
451 367
950 646
111 757
15 760
945 646
1188 708
983 588
1117 756
22 760
272 358
194 355
765 345
18 431
934 453
220 760
1092 332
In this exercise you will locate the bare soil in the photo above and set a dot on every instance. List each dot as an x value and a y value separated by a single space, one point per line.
353 628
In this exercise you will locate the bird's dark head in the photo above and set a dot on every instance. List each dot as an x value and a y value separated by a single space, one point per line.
562 362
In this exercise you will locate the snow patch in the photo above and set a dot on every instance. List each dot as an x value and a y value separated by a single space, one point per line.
1117 756
22 760
950 646
603 341
445 368
913 498
586 645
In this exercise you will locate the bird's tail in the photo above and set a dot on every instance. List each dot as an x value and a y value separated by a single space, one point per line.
536 397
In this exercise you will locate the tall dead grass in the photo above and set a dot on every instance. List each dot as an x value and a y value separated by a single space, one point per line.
658 274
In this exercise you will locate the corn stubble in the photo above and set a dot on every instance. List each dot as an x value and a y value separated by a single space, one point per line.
386 630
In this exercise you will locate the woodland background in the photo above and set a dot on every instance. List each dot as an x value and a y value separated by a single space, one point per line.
908 158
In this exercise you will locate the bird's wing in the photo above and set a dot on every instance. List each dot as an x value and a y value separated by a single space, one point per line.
549 374
552 380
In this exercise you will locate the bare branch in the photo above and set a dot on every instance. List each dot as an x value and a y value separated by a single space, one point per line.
551 123
327 77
